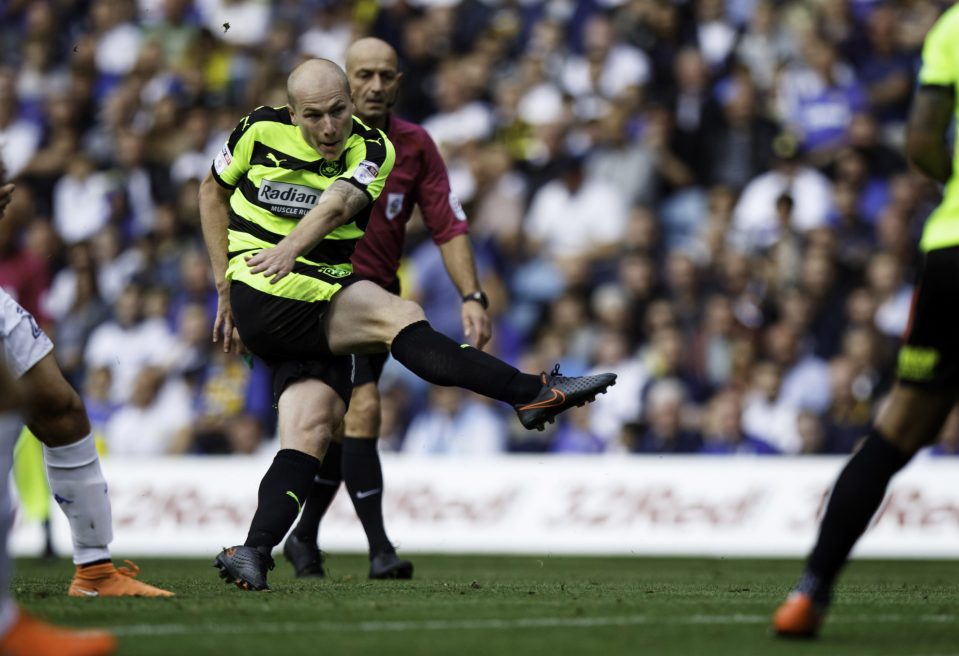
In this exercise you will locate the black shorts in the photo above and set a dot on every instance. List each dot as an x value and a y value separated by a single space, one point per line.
929 356
288 336
368 368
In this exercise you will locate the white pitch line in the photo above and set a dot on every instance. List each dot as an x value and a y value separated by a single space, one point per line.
494 624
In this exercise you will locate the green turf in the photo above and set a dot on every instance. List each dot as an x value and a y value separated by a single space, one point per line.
513 605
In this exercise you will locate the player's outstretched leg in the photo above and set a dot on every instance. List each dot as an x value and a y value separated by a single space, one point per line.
436 358
560 393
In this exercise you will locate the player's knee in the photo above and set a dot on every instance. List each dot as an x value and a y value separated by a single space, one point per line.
407 312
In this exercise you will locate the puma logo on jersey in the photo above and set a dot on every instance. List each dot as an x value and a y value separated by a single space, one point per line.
378 141
272 157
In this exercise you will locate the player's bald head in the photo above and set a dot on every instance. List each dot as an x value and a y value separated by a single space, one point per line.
369 49
315 76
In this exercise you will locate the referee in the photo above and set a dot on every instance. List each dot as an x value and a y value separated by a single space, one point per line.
287 198
418 179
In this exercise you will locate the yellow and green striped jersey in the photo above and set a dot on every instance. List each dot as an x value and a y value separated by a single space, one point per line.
940 67
276 178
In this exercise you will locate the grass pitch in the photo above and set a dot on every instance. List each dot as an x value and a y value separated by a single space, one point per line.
512 605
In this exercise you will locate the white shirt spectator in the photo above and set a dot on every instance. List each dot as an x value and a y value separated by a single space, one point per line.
622 403
81 205
571 224
754 218
775 423
127 350
892 316
625 66
471 122
150 430
807 385
118 49
541 105
18 144
327 43
192 165
248 20
474 429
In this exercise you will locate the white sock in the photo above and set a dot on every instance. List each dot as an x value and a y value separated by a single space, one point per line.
10 425
80 490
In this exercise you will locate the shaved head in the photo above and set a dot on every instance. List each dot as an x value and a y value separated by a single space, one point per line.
315 75
320 106
372 70
369 49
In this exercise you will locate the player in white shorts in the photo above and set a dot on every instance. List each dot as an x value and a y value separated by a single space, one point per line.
53 411
20 633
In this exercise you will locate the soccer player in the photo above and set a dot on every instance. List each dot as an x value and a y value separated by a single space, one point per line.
21 634
418 178
55 414
287 199
928 362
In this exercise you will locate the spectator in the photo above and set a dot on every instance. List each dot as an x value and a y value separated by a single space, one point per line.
155 419
455 424
766 415
755 220
723 431
664 432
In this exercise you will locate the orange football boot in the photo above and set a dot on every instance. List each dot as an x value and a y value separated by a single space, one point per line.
30 637
797 617
108 581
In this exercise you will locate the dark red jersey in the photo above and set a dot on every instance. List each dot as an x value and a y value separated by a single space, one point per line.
418 178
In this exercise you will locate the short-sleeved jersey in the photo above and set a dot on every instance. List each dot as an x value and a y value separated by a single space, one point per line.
940 67
419 178
276 178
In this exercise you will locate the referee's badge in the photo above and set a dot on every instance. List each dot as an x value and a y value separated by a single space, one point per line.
394 205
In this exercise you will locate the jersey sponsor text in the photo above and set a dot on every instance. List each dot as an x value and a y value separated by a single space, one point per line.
287 199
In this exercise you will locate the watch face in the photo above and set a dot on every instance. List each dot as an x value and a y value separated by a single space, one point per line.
479 297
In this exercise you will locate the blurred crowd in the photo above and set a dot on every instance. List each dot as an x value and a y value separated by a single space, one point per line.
706 196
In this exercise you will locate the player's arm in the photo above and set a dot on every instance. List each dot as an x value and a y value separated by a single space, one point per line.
929 119
214 221
339 203
230 166
461 266
10 394
446 221
6 195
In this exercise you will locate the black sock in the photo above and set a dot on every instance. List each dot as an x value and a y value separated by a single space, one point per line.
325 486
282 491
363 476
855 498
437 359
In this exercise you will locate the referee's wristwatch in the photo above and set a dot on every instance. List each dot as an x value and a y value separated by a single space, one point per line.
479 297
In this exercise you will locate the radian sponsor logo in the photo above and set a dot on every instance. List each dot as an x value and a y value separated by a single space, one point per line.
287 199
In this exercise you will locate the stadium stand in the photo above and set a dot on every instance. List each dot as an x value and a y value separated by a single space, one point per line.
705 196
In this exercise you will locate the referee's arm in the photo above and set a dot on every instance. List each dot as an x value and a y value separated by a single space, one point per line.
339 203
